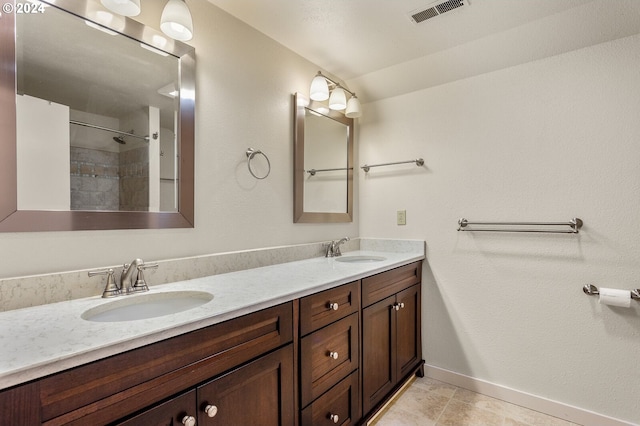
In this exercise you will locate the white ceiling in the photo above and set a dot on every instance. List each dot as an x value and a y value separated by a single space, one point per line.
375 47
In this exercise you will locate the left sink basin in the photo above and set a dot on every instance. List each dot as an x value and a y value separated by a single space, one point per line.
145 306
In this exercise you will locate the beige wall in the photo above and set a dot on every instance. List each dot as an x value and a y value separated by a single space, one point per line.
245 83
545 141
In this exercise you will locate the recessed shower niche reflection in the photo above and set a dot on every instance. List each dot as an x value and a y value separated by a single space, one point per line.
96 118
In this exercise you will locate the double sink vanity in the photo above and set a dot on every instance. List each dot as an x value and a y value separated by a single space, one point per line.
301 341
315 341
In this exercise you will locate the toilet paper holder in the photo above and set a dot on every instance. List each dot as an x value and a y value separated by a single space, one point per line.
592 290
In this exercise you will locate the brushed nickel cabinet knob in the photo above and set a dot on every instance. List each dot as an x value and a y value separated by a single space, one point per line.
334 306
334 418
333 355
189 421
211 410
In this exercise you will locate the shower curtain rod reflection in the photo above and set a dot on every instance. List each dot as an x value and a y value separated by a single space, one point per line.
120 132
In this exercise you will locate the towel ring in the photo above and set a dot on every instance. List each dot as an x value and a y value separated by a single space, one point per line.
252 153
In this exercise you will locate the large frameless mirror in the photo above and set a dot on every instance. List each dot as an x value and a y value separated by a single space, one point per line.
323 162
100 130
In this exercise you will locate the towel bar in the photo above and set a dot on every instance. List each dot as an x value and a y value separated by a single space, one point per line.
575 224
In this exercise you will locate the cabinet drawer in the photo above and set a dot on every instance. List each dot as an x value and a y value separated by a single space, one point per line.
341 401
383 285
327 356
171 412
323 308
106 390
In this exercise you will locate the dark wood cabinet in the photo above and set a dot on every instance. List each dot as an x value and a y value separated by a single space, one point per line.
323 308
391 341
408 338
339 406
259 393
330 356
379 374
327 356
20 405
334 357
110 390
177 411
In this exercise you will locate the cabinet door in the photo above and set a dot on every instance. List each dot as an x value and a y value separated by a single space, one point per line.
259 393
378 352
169 413
20 405
408 342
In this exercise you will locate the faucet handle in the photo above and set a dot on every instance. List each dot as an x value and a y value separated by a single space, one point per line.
141 284
111 289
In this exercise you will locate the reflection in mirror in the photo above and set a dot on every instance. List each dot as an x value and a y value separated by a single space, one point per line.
103 122
118 100
323 182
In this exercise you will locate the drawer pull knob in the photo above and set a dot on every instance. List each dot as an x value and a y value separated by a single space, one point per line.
189 421
401 305
334 306
333 355
334 418
211 410
398 306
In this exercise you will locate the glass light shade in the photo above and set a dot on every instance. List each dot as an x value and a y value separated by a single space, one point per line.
353 108
319 88
123 7
176 21
338 100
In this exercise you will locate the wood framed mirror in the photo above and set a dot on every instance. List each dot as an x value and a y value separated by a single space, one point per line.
323 164
125 65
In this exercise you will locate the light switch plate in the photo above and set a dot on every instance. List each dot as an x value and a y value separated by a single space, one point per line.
402 217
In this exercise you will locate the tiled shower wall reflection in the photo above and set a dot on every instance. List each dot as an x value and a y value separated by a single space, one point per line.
102 180
134 179
94 179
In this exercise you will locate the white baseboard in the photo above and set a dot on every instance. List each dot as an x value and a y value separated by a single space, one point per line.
533 402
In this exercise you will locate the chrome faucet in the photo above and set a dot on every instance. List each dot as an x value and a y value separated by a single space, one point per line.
132 279
333 248
127 281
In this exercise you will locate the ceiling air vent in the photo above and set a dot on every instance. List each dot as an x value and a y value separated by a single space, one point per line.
422 15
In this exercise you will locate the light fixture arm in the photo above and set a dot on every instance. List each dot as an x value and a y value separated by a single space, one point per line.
335 83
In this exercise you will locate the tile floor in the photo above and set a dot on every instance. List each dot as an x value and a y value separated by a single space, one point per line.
428 402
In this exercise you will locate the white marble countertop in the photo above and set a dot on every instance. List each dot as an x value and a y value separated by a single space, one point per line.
41 340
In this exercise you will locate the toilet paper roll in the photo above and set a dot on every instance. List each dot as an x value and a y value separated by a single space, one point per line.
615 297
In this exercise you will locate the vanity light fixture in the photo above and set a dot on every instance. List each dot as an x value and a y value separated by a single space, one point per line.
176 20
338 99
319 88
323 88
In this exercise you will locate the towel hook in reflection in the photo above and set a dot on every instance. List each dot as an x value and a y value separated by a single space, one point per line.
252 153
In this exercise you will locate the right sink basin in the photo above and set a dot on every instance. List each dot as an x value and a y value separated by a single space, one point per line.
359 259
